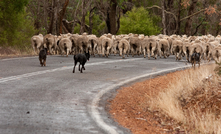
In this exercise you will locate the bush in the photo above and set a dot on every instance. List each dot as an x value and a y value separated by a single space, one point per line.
139 21
16 26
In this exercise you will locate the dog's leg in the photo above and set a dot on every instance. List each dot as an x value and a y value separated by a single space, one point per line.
75 63
44 62
40 61
82 67
79 67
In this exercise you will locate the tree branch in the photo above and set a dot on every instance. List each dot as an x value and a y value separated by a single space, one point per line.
167 13
192 14
198 27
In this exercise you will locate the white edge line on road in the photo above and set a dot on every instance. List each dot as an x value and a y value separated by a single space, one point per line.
16 77
95 102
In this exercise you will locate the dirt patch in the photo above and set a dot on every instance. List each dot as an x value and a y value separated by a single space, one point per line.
130 106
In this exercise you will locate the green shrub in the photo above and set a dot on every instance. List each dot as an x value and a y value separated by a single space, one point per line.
139 21
16 26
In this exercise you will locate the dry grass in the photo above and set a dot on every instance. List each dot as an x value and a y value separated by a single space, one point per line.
193 100
14 52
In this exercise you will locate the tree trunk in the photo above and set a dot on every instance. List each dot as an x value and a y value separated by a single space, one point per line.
83 17
163 17
112 15
52 17
170 24
206 18
91 20
75 13
37 22
178 17
45 15
62 15
188 24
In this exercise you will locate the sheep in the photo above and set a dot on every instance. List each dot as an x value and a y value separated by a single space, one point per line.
164 48
216 53
149 44
107 44
177 46
49 42
93 42
124 47
43 56
82 59
99 45
74 39
37 43
186 50
115 47
207 51
65 44
135 45
82 43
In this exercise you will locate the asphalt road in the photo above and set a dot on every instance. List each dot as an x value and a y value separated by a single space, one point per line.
53 100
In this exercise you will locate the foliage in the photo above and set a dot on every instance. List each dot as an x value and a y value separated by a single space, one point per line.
16 27
98 24
139 21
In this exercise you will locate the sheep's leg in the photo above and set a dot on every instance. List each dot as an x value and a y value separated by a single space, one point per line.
120 49
148 52
107 53
160 52
152 52
50 51
103 51
138 51
155 55
144 52
67 52
132 51
124 52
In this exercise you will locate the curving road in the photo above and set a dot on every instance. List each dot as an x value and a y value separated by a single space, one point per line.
53 100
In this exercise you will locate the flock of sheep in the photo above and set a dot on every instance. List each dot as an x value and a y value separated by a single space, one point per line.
206 46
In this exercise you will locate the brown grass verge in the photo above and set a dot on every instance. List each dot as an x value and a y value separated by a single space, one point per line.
9 52
179 102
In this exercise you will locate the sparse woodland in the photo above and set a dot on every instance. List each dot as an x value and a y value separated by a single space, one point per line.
20 20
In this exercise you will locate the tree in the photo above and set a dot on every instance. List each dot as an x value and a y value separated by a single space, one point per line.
189 20
139 21
14 22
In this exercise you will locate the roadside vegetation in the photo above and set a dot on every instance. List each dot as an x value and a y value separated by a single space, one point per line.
187 101
193 101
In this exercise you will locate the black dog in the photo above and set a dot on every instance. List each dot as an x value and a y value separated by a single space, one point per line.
195 57
43 56
82 59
